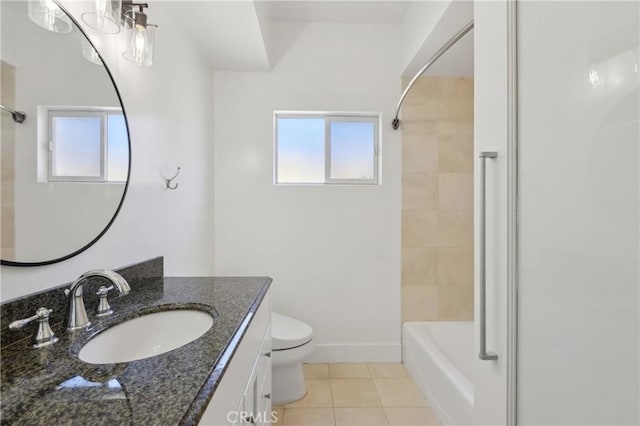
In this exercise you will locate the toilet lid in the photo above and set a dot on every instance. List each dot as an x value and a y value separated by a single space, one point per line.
288 333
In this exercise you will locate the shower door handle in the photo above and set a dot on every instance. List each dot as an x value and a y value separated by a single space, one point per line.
483 355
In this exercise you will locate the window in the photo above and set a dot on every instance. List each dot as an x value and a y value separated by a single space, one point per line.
87 145
325 148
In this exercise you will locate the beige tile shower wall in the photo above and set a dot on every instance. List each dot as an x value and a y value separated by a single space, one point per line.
437 200
7 163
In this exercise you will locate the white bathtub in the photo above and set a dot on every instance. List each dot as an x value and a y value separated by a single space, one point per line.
439 357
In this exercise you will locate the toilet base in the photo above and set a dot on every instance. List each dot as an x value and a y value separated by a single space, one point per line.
287 384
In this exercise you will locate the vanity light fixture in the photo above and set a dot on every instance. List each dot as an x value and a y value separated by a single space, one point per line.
139 35
48 15
103 15
89 53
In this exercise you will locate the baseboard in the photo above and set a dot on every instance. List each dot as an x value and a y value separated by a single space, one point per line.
356 353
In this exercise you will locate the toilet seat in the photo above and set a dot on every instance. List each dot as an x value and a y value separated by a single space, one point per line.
288 333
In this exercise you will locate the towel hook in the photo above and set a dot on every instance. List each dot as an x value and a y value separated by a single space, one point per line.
170 180
18 116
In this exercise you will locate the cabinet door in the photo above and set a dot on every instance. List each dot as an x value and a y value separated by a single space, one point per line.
250 401
244 377
264 403
263 367
234 417
257 396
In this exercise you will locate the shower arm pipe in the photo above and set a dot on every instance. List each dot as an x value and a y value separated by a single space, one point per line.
453 40
18 116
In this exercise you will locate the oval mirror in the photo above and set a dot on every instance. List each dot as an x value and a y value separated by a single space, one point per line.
65 167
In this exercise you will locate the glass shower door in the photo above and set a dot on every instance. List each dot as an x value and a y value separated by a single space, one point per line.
578 213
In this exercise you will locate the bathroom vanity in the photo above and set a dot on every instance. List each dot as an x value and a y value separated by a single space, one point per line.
220 378
244 394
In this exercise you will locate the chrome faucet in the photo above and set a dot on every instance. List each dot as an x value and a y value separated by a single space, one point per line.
76 313
44 335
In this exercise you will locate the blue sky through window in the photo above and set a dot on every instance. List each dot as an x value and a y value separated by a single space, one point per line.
118 148
347 141
78 146
300 150
352 150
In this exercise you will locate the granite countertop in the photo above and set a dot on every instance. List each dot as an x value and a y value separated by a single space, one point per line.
52 386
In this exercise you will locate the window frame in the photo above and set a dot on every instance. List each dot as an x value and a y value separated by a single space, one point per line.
331 117
103 114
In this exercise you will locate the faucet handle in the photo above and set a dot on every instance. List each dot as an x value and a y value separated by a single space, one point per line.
104 308
41 313
44 336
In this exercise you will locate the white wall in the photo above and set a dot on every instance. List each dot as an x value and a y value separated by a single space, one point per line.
334 252
426 27
169 107
579 310
420 20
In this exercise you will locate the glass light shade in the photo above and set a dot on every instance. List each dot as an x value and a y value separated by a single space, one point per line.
139 44
48 15
102 15
89 53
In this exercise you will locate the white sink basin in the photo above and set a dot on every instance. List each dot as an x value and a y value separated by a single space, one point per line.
146 336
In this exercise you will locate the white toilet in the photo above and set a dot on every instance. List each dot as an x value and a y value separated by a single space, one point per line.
291 344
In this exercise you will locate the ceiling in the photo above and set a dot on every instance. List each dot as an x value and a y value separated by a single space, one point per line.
228 33
235 35
349 12
458 60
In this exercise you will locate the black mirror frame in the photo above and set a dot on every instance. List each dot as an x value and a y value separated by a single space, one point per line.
126 185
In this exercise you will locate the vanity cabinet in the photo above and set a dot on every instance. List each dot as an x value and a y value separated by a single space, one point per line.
243 397
255 406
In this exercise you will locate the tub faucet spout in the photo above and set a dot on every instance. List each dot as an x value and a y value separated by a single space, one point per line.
76 316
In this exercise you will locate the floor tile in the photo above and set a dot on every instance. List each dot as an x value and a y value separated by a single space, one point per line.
316 371
277 414
364 394
354 393
411 416
318 395
399 393
388 370
308 417
360 417
349 371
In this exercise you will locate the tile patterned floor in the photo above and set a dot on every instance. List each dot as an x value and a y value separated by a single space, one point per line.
358 394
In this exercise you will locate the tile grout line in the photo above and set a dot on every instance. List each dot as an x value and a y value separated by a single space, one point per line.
384 412
333 403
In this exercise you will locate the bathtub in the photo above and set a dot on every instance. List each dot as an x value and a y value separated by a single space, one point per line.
439 357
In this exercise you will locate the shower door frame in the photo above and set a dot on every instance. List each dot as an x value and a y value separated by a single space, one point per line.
512 226
496 39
